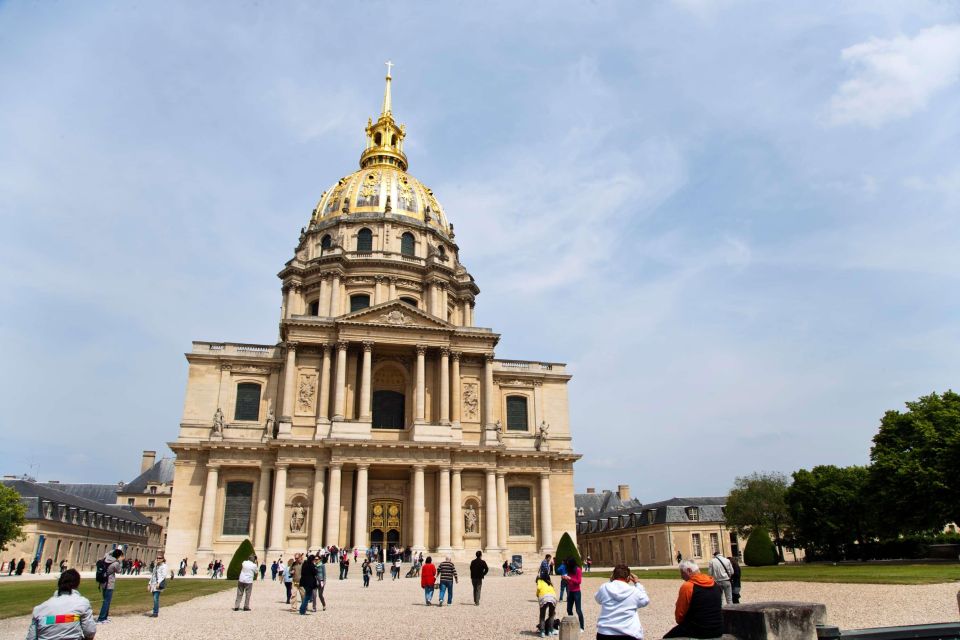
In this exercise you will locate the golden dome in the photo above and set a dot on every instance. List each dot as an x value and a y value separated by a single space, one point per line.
382 184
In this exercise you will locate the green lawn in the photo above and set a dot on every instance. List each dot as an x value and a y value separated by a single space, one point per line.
867 573
130 595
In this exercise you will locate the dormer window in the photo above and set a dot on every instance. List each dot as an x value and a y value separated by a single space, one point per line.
153 490
693 514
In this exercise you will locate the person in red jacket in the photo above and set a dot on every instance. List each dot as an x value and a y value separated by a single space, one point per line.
699 604
428 578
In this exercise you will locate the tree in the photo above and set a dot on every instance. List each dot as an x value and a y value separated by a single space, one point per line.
915 458
567 549
831 509
244 551
760 551
758 500
12 516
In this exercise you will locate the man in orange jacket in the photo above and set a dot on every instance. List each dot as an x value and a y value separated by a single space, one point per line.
699 605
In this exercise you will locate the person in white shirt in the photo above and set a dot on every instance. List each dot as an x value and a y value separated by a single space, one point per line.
722 571
158 582
619 600
245 583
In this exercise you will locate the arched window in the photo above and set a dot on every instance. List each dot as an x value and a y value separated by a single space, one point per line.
393 141
443 252
365 240
248 401
237 508
359 301
516 413
377 138
325 244
315 308
410 301
408 246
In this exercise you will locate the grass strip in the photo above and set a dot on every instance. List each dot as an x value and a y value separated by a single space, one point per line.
867 573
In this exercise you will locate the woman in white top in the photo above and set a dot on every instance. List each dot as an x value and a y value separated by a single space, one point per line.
619 600
158 582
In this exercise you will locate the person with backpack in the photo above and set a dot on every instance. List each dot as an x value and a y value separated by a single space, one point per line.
107 569
66 615
158 582
722 571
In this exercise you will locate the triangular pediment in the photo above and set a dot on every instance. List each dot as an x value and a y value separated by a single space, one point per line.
395 314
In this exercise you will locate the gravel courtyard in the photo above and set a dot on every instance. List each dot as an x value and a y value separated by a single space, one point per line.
508 610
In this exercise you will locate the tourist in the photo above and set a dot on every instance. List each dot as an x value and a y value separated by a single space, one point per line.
158 582
448 575
274 568
21 566
545 566
355 554
699 603
380 569
589 563
735 579
183 568
63 566
619 600
547 602
321 583
679 557
722 571
478 571
428 576
67 615
366 571
506 568
288 578
308 582
111 565
263 570
396 566
573 578
48 565
194 568
248 572
562 571
295 573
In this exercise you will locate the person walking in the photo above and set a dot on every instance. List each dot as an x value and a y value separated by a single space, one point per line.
48 565
366 571
308 582
21 566
574 578
562 571
478 571
722 571
193 570
67 615
158 582
545 566
735 579
274 568
547 601
428 577
248 571
619 600
448 575
321 583
295 573
379 568
263 570
288 578
111 566
396 566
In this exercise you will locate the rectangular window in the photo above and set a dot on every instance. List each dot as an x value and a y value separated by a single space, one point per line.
520 511
697 546
151 502
153 490
714 543
516 413
248 401
693 513
652 543
236 508
130 501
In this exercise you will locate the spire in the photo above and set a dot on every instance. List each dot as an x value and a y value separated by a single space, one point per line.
386 92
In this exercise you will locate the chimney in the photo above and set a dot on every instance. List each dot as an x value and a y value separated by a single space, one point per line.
591 490
149 458
623 492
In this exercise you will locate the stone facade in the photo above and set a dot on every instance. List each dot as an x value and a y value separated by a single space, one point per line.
381 416
151 492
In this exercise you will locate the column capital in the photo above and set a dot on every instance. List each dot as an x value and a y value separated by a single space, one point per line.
319 466
456 355
336 466
456 470
545 475
379 278
421 349
363 465
489 358
213 466
419 466
444 467
282 466
291 345
324 347
342 345
445 351
367 345
501 474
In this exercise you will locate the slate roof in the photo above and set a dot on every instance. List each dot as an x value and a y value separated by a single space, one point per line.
606 512
160 473
32 494
102 493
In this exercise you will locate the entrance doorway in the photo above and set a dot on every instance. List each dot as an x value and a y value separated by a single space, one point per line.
386 523
388 410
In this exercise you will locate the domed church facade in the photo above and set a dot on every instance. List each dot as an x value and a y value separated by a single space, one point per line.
382 417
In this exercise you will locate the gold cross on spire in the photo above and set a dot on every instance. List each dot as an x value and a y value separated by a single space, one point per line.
389 67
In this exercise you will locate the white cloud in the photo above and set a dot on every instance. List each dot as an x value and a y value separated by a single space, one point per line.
896 77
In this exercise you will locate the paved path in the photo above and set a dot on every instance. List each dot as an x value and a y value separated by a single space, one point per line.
508 610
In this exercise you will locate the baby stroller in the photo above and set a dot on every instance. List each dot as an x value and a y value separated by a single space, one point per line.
414 571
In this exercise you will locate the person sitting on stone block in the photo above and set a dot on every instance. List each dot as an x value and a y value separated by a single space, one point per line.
699 603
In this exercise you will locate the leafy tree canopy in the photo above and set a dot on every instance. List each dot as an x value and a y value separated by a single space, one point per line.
830 508
12 516
758 500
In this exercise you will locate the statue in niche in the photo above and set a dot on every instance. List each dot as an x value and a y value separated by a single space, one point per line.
469 519
298 516
271 423
218 422
540 440
499 428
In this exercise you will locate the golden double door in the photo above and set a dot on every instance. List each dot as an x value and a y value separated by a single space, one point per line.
386 523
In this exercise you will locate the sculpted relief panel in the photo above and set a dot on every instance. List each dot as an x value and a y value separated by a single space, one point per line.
471 402
306 393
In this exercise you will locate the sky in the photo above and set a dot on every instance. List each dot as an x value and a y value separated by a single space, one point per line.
737 222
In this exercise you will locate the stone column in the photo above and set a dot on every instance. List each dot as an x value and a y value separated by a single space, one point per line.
341 391
435 297
421 386
333 506
490 498
393 289
335 296
286 303
502 508
470 315
316 515
360 508
365 382
444 386
289 380
455 400
277 513
263 502
465 313
444 304
456 509
546 517
488 392
209 508
419 508
324 411
443 518
378 290
325 295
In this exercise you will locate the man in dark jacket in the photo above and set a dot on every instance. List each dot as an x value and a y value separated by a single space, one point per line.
478 569
699 604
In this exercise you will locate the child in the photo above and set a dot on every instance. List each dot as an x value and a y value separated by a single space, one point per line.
380 570
547 599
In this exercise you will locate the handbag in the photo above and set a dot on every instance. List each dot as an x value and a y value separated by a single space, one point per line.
162 585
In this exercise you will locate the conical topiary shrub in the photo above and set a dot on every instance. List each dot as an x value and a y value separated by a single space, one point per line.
760 551
244 551
568 549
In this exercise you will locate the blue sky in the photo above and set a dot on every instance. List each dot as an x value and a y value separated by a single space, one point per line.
736 221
